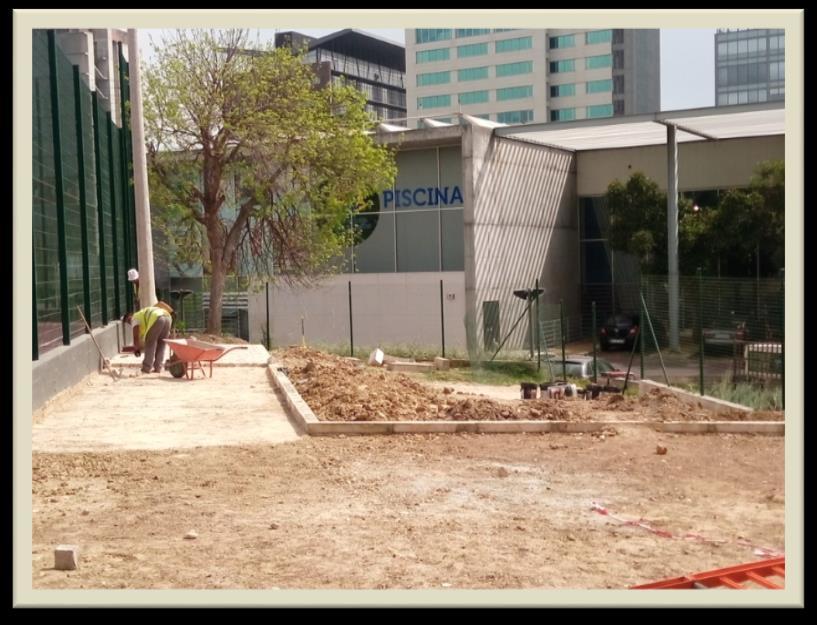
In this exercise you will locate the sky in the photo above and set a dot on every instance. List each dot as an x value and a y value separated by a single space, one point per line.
687 61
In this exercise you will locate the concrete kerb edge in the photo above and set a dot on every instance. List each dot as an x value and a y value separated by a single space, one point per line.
304 416
705 401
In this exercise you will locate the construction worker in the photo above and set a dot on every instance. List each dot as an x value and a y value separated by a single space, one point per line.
151 326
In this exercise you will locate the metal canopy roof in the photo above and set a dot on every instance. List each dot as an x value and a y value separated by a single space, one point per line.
723 122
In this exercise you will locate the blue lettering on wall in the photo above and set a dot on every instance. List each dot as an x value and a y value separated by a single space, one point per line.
414 197
422 196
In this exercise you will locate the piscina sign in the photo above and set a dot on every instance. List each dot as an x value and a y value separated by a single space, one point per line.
422 196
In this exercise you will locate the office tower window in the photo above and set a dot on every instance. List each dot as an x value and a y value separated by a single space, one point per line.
513 45
599 86
472 32
512 69
472 73
514 117
474 49
514 93
425 35
562 115
561 91
433 78
565 41
433 101
600 110
473 97
430 56
598 36
597 62
568 65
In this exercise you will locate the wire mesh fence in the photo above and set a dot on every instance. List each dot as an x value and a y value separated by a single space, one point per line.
82 202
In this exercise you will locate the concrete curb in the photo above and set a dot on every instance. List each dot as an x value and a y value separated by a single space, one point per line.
704 401
304 416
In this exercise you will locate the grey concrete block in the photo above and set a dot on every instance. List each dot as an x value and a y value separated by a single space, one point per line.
410 367
442 364
66 557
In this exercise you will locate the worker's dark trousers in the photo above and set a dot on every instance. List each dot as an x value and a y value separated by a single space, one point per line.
155 345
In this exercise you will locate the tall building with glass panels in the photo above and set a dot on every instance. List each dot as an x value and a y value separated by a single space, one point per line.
515 76
749 65
374 66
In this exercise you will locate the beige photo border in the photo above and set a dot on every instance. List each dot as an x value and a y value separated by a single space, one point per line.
24 21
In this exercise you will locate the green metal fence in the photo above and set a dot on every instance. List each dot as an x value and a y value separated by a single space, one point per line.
83 209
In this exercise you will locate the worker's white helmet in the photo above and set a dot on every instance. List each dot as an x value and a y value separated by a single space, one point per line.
133 275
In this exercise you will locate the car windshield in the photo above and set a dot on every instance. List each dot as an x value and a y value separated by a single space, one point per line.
603 366
573 369
618 320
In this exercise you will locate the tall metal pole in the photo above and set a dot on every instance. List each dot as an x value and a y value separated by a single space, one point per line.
672 236
267 302
351 325
595 365
442 318
538 335
144 237
701 329
562 332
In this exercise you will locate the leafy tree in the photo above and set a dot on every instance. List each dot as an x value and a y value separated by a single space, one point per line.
731 231
251 164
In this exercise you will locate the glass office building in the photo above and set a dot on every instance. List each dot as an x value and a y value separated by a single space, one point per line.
749 65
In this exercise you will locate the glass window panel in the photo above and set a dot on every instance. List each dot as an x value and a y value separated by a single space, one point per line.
433 101
599 86
722 49
472 73
743 46
512 69
433 78
375 254
430 56
752 45
597 62
722 76
560 91
418 241
565 41
473 97
425 35
722 99
472 32
598 36
733 47
562 115
512 45
453 240
474 49
568 65
743 97
514 117
600 110
733 98
417 180
761 45
514 93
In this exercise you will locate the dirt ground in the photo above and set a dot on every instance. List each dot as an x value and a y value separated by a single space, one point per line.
408 511
342 389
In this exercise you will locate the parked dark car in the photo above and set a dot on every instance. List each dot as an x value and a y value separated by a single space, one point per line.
725 334
619 332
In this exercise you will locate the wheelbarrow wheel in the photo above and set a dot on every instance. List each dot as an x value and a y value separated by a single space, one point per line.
175 366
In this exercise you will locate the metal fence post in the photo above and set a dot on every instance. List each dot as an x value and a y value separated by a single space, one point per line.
562 332
442 318
701 329
538 332
36 342
595 366
266 300
100 219
83 200
117 299
59 190
783 341
641 323
351 325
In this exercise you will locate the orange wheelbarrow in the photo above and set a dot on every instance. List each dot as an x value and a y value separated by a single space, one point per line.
189 354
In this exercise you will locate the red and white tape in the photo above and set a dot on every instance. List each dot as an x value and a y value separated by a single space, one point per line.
642 523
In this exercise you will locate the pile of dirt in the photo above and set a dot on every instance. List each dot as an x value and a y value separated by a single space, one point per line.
343 389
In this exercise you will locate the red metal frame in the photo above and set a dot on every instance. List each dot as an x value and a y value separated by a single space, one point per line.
729 577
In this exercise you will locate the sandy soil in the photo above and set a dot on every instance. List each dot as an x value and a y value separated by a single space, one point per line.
409 511
341 389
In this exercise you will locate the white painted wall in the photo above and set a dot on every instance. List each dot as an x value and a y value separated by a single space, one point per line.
701 165
388 309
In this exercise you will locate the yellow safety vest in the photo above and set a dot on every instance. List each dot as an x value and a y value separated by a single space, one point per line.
146 317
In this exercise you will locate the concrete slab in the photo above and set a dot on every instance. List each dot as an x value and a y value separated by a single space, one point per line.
236 406
410 367
252 356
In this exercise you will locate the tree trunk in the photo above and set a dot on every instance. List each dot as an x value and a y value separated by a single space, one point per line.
217 278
